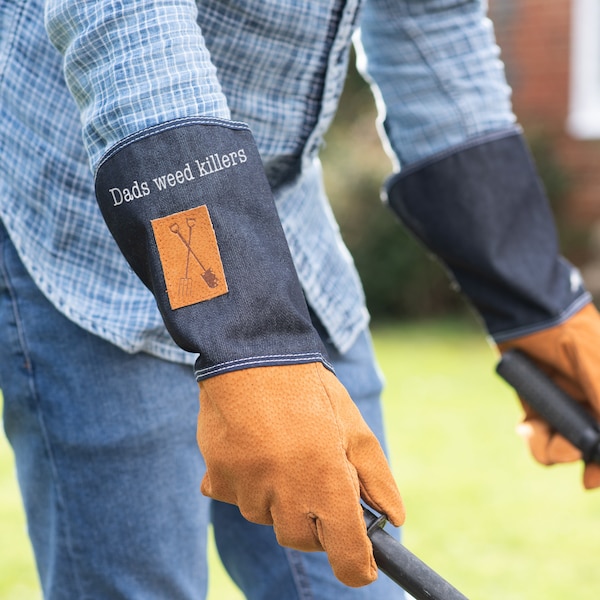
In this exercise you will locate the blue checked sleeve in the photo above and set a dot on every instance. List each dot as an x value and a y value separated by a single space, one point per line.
132 65
181 187
436 72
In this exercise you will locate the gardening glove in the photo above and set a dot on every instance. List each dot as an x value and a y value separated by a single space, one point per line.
290 449
481 209
190 207
569 353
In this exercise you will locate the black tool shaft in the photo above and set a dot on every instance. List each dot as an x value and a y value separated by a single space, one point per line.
403 567
563 413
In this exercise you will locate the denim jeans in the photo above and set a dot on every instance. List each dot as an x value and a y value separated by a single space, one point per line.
109 469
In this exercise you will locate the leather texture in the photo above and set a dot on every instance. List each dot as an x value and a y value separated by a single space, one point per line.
569 354
287 445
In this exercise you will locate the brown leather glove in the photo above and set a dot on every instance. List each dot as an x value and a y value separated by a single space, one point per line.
287 445
569 353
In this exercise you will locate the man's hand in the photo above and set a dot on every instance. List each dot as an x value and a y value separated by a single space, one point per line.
569 354
287 445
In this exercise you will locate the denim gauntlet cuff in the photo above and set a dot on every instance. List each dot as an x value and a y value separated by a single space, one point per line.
482 211
189 205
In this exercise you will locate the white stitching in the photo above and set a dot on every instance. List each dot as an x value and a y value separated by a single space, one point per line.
261 360
173 124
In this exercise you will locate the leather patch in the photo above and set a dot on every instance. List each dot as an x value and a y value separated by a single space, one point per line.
190 257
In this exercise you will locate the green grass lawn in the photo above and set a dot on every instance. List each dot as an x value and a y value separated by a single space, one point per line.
480 511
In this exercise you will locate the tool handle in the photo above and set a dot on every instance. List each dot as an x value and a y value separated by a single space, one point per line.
403 567
563 413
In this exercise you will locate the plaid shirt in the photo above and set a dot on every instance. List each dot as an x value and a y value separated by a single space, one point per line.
78 77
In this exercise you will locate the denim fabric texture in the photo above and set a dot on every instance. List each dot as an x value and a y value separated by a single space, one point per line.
278 66
260 318
106 454
110 472
482 210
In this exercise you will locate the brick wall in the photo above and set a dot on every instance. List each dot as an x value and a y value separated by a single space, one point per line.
534 36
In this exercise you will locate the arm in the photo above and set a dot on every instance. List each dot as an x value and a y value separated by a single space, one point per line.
184 194
469 191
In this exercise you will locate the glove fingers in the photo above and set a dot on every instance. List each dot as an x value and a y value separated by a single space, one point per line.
338 530
252 508
296 530
569 354
305 472
377 486
562 451
591 476
537 434
547 448
348 547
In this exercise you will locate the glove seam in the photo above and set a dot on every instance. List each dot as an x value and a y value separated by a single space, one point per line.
168 125
266 360
471 142
579 303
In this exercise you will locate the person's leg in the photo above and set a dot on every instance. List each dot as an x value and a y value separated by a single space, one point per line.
264 570
106 455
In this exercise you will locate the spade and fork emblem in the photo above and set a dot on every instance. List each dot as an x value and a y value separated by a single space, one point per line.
190 257
186 284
